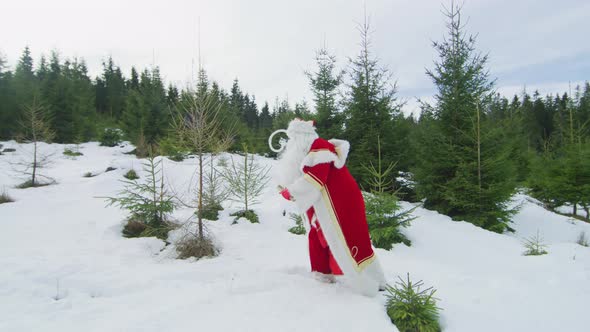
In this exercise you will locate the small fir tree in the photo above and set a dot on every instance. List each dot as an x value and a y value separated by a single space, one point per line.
5 198
298 229
148 202
535 246
35 125
384 217
246 180
215 191
73 151
110 137
411 308
131 175
169 147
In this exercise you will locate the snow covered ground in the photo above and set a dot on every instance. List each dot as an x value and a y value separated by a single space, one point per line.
64 265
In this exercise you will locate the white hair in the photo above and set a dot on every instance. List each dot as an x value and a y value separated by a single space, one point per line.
301 136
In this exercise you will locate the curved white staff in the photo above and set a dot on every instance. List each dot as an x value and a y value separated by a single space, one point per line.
283 145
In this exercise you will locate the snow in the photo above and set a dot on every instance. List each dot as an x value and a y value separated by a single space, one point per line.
569 209
66 267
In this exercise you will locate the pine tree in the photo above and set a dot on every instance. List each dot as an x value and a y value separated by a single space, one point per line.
145 118
133 119
113 90
68 93
383 216
324 83
54 92
250 115
35 128
583 112
43 69
148 201
283 113
562 172
158 119
133 83
24 85
8 106
463 169
370 105
172 96
197 124
236 99
246 180
82 102
238 105
265 119
302 110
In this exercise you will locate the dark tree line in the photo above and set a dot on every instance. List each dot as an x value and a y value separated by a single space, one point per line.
469 151
140 104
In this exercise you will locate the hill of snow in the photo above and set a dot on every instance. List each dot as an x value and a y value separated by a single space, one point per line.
64 265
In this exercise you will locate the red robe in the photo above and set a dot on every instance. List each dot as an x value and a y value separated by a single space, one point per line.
328 193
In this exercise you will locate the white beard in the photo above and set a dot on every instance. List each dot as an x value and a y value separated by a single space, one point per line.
289 166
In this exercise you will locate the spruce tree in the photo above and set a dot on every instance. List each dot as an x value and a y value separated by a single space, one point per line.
157 111
246 181
237 104
583 112
265 119
370 105
172 96
113 90
133 82
149 202
324 83
55 96
82 102
145 118
35 128
463 167
198 127
8 106
562 173
24 85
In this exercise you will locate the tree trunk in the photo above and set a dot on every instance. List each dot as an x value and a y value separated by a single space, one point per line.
478 151
34 163
154 188
571 126
161 198
200 218
246 180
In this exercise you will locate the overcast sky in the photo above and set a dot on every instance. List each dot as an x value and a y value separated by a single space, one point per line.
268 44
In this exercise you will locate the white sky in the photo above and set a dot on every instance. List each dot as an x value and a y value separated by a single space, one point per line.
268 44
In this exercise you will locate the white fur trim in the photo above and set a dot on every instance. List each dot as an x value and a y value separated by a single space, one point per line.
367 280
314 158
326 156
305 193
375 272
342 149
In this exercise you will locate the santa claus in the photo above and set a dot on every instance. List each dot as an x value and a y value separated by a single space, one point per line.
311 172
